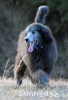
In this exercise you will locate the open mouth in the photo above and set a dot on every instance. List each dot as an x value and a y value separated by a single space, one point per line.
32 45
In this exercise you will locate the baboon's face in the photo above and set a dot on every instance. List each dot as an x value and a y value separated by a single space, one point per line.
33 38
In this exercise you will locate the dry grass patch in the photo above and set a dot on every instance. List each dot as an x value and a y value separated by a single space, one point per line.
57 90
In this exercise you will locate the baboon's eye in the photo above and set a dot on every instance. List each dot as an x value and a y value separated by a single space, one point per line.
33 32
25 34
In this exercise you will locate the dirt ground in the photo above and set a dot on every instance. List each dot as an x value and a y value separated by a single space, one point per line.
57 90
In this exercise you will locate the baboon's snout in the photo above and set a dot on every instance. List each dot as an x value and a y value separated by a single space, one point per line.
26 39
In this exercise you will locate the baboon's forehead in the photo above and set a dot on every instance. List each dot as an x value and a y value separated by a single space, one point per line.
32 28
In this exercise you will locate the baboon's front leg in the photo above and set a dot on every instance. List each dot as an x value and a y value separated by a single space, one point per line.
20 72
40 78
19 69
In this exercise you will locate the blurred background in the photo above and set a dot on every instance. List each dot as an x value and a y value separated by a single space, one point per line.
15 15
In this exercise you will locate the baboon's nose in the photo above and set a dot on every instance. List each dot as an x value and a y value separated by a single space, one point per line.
26 39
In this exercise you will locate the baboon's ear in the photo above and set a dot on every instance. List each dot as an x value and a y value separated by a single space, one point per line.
46 37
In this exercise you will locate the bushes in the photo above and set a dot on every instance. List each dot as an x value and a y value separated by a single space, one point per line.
16 14
61 6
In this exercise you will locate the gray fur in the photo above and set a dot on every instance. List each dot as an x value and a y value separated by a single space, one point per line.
41 14
41 61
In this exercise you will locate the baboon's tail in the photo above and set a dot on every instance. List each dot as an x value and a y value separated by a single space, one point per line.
41 14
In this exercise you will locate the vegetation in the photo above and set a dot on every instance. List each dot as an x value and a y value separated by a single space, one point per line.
15 15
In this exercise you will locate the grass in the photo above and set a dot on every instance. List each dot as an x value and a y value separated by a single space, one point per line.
57 90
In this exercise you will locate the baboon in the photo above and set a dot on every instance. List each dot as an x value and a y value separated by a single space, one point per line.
37 51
